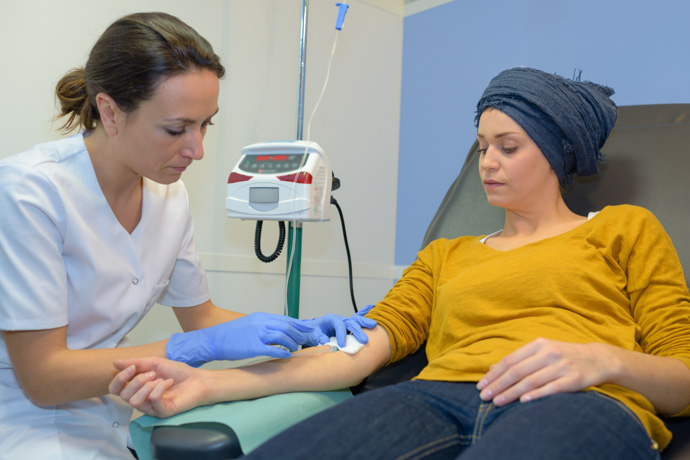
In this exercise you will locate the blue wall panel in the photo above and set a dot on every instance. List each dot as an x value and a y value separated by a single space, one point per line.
640 48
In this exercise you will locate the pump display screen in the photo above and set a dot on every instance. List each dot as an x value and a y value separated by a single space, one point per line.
263 194
271 164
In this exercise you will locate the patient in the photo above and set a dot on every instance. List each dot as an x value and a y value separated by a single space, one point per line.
559 336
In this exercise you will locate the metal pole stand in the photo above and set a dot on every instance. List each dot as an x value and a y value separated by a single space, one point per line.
294 268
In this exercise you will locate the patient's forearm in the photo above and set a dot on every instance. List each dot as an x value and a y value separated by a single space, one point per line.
307 372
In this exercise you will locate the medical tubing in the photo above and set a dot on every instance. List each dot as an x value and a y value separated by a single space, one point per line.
304 160
257 242
347 251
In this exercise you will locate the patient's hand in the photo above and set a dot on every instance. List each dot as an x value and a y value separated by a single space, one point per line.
545 367
158 386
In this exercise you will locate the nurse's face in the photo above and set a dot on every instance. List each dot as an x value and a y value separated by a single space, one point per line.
164 135
515 173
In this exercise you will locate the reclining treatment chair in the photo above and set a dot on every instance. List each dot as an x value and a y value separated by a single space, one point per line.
647 164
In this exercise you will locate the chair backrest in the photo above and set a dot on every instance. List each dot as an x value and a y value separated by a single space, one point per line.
647 164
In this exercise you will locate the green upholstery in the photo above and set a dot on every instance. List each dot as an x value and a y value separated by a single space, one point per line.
253 421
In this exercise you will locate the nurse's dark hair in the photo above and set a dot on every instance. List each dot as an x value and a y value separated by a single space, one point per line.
128 61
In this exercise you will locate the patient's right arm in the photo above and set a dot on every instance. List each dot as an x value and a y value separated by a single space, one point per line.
162 388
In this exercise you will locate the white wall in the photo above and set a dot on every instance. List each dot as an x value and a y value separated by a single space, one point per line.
258 40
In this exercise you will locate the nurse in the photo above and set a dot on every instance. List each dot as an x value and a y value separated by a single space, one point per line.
96 228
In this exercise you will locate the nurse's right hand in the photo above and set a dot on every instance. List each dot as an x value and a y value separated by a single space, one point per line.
245 337
157 386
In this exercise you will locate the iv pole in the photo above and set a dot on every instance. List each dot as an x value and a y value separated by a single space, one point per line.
294 255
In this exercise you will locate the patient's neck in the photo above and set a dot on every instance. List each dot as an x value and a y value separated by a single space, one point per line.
529 226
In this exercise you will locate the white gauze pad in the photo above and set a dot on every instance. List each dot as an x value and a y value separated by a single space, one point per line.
352 345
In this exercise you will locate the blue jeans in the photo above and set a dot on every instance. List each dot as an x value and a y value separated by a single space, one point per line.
447 420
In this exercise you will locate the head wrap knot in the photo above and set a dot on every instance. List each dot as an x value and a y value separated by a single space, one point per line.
568 120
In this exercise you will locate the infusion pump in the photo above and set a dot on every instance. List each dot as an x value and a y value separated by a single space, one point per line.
282 180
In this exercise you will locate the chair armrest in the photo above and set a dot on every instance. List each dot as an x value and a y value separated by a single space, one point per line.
200 440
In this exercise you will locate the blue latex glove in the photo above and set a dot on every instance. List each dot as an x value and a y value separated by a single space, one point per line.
331 325
241 338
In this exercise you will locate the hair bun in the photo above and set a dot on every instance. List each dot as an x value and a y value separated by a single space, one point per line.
74 100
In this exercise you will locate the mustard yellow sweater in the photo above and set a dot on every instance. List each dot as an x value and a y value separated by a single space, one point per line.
615 279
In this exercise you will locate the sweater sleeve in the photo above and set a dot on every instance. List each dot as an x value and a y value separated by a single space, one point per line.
659 297
405 312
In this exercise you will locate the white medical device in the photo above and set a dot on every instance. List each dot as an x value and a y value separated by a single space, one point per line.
282 180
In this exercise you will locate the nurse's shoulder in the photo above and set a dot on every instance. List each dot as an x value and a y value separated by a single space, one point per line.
47 152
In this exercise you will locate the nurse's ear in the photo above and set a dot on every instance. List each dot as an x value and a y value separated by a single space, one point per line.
111 115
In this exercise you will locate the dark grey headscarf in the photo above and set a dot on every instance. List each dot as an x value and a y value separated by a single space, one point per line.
568 120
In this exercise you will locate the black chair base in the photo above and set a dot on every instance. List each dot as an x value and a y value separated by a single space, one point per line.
201 441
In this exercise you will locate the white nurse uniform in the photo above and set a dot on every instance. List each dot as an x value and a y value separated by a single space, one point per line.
67 261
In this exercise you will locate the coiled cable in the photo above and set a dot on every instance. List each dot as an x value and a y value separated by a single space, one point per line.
257 242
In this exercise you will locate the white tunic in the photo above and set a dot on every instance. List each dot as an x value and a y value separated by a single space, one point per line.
66 261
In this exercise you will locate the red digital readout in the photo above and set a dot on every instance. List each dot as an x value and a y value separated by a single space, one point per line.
271 158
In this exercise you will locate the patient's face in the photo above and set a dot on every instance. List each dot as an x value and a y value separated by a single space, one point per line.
514 172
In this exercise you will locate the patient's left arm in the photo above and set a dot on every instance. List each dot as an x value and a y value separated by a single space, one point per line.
162 388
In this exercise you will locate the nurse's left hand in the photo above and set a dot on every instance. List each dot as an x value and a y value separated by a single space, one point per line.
338 326
252 335
545 367
157 386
